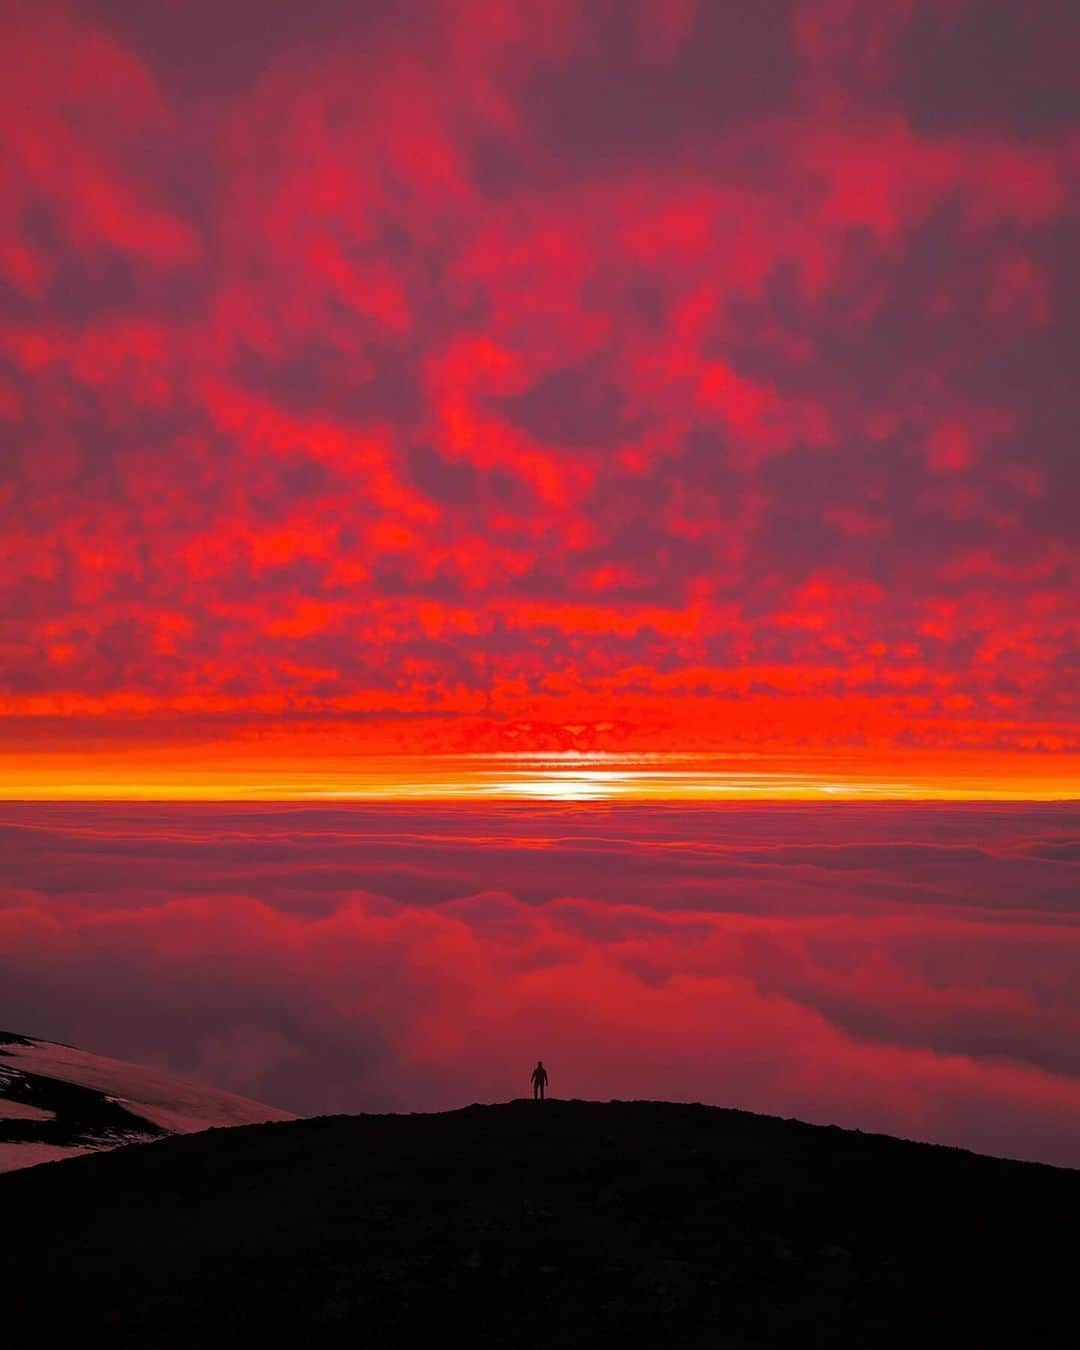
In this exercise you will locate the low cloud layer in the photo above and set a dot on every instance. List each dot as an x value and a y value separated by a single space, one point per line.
903 969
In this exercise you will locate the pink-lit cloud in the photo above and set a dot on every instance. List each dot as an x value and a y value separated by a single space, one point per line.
431 370
903 969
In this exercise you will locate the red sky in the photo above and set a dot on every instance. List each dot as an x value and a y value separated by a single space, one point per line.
456 379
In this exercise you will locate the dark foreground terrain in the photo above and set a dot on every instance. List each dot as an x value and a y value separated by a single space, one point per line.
560 1223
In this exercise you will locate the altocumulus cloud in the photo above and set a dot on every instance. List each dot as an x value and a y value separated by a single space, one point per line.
476 375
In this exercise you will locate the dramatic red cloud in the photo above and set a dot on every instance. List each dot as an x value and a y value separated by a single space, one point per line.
896 968
384 380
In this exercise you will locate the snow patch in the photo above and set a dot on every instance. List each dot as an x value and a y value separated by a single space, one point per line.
14 1156
10 1110
90 1102
159 1098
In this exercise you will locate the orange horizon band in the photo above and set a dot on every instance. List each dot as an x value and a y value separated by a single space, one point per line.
555 776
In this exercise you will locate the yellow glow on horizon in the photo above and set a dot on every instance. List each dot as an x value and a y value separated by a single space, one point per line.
566 777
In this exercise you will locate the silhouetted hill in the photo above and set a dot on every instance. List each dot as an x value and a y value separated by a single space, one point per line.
560 1223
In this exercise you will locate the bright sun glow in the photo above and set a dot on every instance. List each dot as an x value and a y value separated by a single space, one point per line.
593 776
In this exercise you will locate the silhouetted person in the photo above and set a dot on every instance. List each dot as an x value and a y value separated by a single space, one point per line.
539 1081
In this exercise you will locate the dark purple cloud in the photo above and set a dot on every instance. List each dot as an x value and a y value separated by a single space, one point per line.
469 375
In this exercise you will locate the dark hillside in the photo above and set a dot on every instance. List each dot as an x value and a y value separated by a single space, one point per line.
560 1223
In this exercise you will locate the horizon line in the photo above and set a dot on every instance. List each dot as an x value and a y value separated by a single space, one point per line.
568 777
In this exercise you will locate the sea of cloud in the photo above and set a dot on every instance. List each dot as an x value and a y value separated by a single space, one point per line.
889 967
